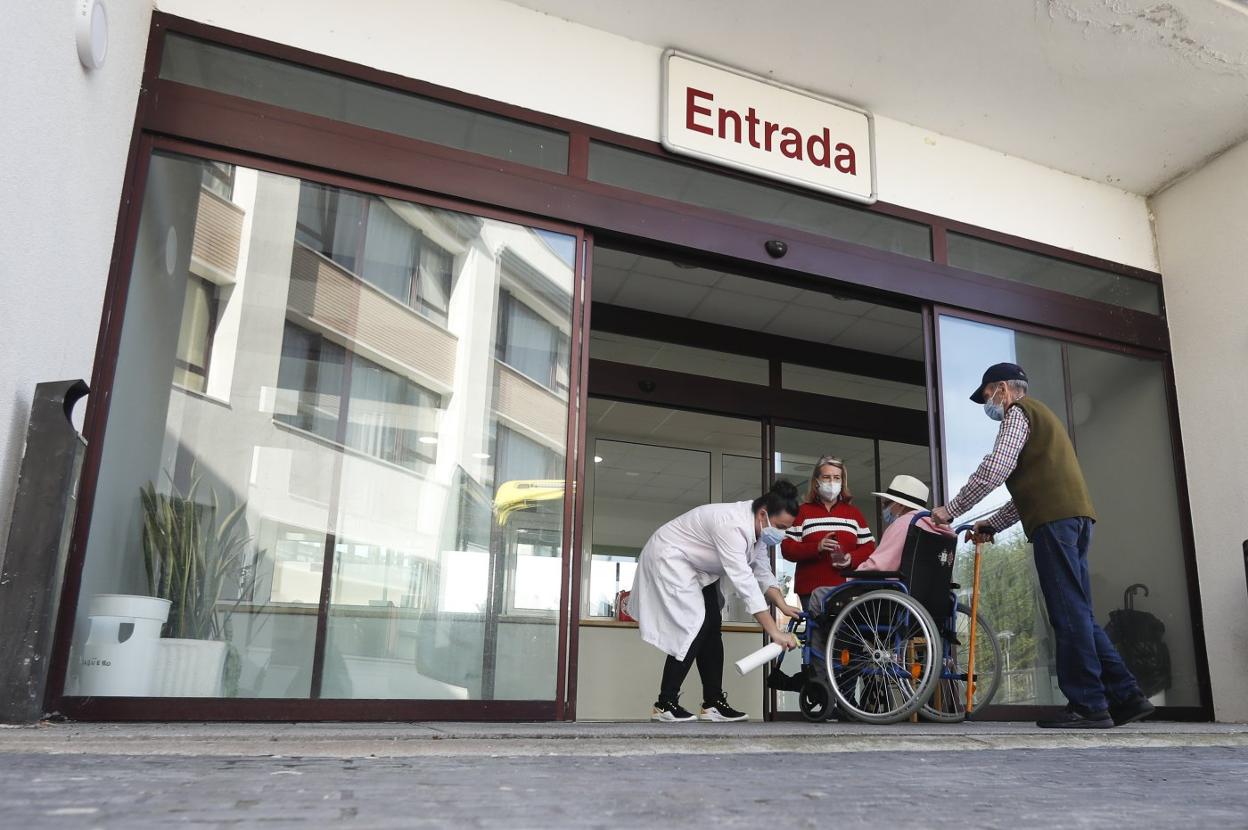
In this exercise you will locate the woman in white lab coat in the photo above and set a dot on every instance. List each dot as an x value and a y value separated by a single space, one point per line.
678 589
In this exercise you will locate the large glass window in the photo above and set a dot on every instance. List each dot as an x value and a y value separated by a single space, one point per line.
375 241
1115 408
199 320
358 430
695 185
529 343
271 81
1042 271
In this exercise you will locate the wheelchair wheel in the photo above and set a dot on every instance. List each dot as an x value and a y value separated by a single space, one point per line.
815 701
883 656
948 702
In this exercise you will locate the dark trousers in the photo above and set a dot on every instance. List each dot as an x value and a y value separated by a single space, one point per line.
707 651
1089 670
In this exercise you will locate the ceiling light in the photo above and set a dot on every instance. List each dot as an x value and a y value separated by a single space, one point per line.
597 459
428 439
481 455
631 473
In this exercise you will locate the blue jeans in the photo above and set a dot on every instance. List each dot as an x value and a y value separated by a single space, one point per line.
1089 670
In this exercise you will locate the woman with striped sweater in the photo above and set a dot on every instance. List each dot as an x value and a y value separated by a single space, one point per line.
830 533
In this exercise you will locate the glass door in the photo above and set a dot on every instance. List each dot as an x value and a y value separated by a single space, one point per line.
1114 404
336 451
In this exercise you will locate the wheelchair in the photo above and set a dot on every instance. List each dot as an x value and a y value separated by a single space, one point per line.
872 648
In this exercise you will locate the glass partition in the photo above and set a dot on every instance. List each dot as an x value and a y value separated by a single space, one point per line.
335 448
1115 407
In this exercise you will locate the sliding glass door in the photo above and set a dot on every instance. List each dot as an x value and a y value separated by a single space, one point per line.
1115 406
337 447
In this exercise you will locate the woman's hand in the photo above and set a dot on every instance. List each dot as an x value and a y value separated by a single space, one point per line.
829 546
842 561
785 640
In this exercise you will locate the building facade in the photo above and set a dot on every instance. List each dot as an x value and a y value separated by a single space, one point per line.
415 344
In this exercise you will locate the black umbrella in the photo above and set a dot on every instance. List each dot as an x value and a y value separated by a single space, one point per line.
1140 639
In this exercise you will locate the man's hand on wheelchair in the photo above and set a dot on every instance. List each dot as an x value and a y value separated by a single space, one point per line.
940 515
981 534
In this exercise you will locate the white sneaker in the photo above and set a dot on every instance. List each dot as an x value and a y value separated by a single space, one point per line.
720 711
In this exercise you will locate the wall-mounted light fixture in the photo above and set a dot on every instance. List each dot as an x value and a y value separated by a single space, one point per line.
91 32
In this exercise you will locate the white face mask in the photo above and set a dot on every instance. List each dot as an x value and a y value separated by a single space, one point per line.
829 491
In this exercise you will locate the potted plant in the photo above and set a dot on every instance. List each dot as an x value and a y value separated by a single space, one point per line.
191 550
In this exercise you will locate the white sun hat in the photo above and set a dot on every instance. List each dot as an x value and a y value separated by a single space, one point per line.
906 490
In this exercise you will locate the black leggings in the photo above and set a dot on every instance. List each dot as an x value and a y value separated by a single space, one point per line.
707 650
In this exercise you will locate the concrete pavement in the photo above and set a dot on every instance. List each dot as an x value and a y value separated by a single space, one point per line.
396 740
621 775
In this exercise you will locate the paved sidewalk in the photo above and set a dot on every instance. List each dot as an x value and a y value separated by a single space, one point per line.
399 740
549 776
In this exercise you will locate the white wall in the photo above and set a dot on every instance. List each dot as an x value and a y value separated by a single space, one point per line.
1203 248
64 138
502 51
618 675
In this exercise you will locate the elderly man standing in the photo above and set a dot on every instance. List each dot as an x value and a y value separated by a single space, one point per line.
1034 458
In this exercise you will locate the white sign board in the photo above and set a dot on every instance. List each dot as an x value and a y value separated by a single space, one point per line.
729 117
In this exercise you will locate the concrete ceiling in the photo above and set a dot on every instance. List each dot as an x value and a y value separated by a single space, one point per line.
1129 92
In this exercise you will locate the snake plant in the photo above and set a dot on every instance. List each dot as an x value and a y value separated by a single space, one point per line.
190 555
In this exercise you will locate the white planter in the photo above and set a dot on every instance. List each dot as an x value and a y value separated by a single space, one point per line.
120 654
189 668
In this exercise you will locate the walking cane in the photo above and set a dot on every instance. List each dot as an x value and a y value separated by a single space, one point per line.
970 663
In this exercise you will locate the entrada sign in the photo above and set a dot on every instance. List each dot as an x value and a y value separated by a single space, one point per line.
739 120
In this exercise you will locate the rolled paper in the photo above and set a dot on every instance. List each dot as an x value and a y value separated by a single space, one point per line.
752 661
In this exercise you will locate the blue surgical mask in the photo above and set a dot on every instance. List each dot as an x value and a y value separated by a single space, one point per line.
771 536
994 410
888 517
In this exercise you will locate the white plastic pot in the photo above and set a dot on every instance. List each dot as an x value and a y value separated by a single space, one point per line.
120 654
189 668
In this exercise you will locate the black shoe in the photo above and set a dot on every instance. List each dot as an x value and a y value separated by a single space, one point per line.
1130 710
1077 718
719 710
671 712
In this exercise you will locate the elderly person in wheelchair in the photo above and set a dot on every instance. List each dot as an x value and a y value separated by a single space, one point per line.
905 495
889 643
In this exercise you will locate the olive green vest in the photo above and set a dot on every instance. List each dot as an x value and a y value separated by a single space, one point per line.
1047 484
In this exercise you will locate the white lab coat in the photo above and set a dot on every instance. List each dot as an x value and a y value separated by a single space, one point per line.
683 557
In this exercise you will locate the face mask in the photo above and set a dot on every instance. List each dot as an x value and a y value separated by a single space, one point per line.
831 491
888 517
771 536
994 410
